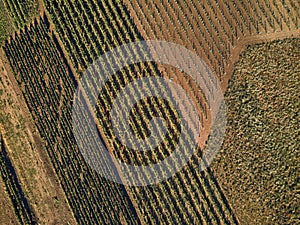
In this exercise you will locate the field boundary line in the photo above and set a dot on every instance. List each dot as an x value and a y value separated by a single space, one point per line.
245 41
77 77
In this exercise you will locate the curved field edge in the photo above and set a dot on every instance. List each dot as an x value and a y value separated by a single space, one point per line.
78 35
153 23
258 165
216 30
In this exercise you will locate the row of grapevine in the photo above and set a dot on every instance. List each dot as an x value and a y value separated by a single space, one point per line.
21 11
21 207
217 24
220 197
48 91
241 18
113 31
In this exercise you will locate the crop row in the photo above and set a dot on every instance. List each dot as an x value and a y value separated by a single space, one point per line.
117 31
168 20
110 21
48 91
212 28
20 11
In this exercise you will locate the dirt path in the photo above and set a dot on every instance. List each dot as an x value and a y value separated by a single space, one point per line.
249 40
44 185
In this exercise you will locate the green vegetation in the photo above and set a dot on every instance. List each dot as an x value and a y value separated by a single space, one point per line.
48 91
14 15
20 12
4 23
87 29
259 163
256 167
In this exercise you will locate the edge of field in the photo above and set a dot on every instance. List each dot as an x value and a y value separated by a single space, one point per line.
250 40
235 52
45 177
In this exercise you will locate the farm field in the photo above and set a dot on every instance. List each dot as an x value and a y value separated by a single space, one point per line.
17 14
24 146
262 138
216 30
47 47
60 144
23 210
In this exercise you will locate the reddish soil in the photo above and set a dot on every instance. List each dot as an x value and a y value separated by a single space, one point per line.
212 30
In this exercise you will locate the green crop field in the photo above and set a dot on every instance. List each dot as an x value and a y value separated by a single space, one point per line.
15 15
48 45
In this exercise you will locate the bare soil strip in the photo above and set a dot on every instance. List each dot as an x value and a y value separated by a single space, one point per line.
50 204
